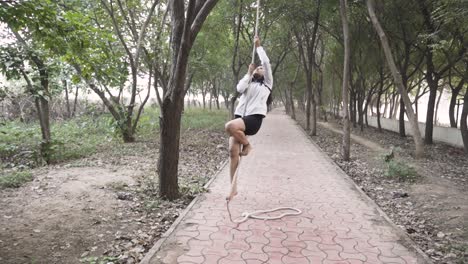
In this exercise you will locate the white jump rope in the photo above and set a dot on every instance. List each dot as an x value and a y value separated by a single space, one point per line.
255 214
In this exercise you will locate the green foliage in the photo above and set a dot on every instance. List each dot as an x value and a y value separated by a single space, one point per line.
148 126
80 137
15 179
401 171
20 143
199 118
192 118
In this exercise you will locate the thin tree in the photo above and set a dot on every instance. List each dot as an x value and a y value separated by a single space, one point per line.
346 124
129 122
434 71
307 39
463 122
456 89
398 80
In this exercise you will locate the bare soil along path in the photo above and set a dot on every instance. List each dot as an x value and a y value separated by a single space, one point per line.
432 209
103 208
64 210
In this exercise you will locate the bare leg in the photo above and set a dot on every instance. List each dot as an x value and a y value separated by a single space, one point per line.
234 155
236 129
246 149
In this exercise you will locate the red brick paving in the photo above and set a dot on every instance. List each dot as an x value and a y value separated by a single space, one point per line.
338 224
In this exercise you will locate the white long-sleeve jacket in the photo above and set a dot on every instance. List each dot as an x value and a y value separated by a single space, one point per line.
254 94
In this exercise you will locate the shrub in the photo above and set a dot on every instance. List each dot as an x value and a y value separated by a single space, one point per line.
401 171
15 179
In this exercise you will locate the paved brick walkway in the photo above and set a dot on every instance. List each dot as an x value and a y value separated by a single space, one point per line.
338 224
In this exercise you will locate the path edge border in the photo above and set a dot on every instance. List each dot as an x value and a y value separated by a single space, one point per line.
155 248
402 234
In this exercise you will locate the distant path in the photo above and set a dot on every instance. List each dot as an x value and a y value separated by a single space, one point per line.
339 224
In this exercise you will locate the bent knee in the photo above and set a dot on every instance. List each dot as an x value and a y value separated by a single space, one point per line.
227 127
230 127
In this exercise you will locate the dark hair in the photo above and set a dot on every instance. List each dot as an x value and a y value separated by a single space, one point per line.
269 99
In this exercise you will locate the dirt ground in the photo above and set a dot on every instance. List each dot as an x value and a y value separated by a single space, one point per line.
102 208
433 210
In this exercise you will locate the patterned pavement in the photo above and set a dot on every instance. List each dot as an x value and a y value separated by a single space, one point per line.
338 224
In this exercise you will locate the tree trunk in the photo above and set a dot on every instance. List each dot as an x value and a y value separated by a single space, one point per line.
236 62
401 120
313 129
361 109
211 101
291 103
171 114
463 122
75 101
321 107
44 112
369 101
216 93
286 102
204 99
308 103
346 125
398 81
67 99
416 99
306 44
453 103
379 125
186 23
453 100
436 118
430 112
42 104
352 107
232 106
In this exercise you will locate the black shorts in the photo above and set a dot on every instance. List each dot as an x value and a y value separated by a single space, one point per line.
252 123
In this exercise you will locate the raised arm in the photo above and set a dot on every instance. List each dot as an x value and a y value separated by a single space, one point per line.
268 75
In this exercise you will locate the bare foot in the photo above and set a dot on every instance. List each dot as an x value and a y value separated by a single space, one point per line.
246 149
231 196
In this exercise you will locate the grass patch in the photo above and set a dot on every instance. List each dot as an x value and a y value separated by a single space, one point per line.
401 171
15 179
71 139
199 118
192 119
83 136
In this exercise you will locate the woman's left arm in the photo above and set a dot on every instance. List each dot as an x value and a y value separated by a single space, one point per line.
266 66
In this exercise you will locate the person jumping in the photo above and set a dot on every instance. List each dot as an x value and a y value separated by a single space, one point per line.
255 88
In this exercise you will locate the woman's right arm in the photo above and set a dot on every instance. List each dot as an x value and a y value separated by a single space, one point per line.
243 83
